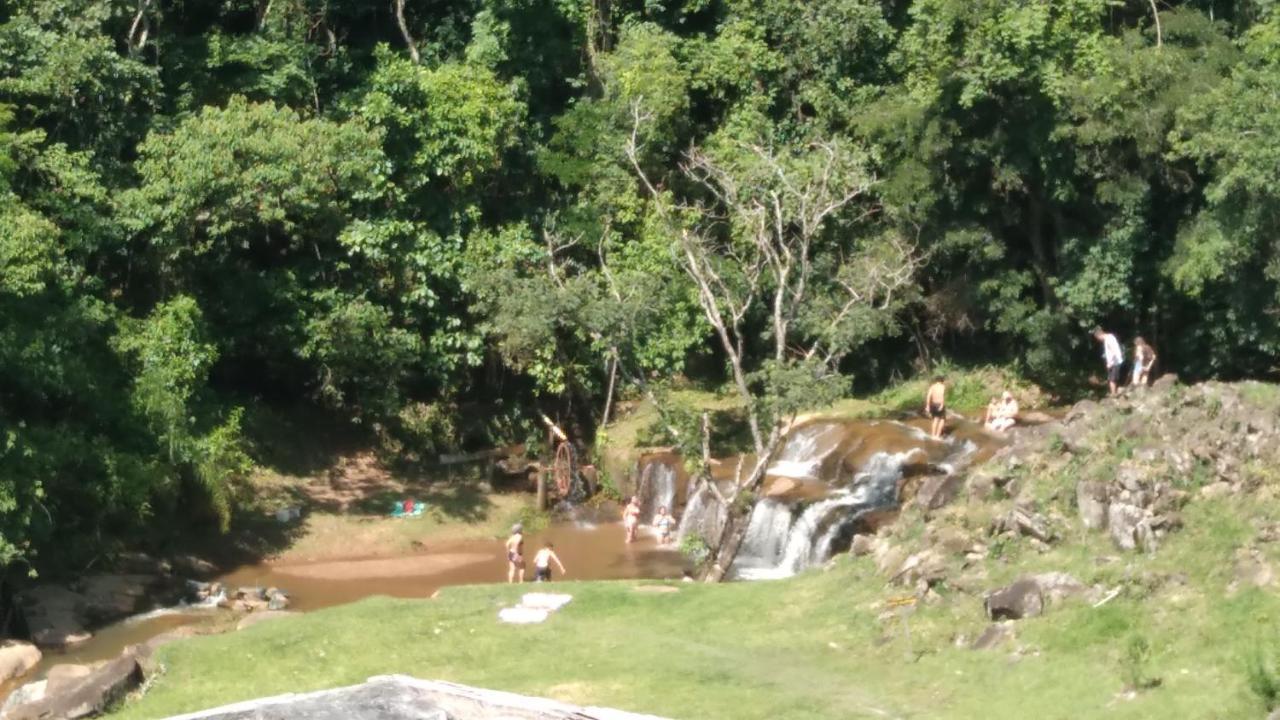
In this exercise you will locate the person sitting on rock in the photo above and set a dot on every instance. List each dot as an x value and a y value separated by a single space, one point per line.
1004 415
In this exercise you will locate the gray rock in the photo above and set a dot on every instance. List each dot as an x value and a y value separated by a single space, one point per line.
194 566
1131 527
938 490
1020 600
112 597
85 696
1021 522
29 693
1092 503
61 678
862 545
17 657
397 697
995 636
53 616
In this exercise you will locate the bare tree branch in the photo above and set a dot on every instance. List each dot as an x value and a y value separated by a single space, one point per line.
404 31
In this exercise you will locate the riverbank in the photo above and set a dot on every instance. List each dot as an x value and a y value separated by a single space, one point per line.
999 597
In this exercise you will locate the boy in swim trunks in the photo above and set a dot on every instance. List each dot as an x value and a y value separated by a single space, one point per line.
542 563
935 406
515 554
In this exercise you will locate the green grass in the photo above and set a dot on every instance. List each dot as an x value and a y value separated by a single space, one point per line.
810 647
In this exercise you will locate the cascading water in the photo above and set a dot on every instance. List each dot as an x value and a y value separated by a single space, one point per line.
703 515
657 488
804 450
766 537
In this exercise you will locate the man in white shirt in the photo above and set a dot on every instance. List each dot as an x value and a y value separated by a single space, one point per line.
1113 356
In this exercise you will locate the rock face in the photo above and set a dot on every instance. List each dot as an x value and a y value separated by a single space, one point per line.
53 616
397 697
111 597
83 695
16 658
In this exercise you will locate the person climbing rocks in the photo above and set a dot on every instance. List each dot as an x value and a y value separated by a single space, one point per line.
663 522
1113 356
542 563
1144 358
515 554
935 406
631 518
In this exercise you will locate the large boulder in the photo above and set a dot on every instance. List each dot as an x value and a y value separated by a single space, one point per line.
53 616
192 566
938 490
1091 501
16 658
1022 599
112 597
87 695
1131 527
1030 595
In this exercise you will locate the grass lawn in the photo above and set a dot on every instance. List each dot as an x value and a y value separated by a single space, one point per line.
809 647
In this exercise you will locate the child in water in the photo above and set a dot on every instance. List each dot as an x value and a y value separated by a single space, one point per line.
935 406
542 563
663 522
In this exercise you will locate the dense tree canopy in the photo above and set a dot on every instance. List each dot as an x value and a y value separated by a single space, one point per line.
397 211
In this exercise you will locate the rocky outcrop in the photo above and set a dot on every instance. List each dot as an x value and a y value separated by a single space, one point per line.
397 697
16 658
80 694
53 616
105 598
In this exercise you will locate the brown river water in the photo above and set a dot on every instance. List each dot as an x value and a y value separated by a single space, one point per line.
589 551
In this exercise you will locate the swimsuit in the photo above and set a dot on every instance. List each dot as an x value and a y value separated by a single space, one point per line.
516 557
542 574
937 411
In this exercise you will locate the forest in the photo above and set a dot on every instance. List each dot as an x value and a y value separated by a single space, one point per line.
435 220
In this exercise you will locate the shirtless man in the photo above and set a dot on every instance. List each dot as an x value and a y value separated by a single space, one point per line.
515 554
631 518
542 563
935 405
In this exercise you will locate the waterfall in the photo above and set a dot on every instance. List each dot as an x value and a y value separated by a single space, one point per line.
804 450
657 488
812 538
703 515
766 535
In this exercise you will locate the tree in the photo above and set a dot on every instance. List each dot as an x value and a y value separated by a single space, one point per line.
770 242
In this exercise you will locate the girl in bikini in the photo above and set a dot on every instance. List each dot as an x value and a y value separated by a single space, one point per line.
515 554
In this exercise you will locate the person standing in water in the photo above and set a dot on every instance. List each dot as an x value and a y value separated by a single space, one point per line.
663 522
935 405
542 563
1144 358
631 518
1113 356
515 554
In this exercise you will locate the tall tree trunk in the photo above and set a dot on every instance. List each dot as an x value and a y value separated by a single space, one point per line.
404 31
1040 256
